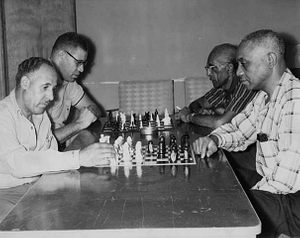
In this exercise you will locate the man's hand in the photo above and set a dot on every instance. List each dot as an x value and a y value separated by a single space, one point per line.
96 154
205 146
86 117
183 114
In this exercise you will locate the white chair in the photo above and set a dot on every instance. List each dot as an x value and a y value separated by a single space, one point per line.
196 87
143 96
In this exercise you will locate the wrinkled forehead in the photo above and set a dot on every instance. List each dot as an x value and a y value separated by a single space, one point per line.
216 59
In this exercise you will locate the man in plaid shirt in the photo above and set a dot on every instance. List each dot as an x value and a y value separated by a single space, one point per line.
271 121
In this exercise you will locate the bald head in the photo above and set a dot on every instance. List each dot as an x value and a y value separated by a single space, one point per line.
223 53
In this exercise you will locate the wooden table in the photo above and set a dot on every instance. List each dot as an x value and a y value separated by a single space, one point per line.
202 200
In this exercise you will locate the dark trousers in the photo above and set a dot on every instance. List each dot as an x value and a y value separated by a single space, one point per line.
279 214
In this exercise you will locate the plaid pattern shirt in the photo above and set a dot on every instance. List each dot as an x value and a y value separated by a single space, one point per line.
275 126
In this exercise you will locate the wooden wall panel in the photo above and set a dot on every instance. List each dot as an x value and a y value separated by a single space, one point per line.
2 66
31 28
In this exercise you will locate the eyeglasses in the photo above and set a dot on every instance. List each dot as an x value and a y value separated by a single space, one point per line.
214 68
78 62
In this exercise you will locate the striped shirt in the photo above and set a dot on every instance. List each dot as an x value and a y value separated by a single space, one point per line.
275 126
234 100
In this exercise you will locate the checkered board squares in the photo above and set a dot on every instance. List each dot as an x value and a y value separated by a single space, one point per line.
142 96
152 160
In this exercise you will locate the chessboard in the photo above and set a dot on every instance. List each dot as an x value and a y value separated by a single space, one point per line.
152 159
182 157
148 123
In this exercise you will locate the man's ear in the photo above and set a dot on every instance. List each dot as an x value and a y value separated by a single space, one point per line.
230 67
272 59
25 82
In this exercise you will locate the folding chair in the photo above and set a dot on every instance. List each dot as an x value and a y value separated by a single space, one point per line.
143 96
196 87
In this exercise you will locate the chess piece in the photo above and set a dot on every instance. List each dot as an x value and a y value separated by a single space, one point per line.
157 121
151 117
126 153
150 148
174 153
140 121
167 118
117 116
161 152
104 139
173 140
138 152
132 125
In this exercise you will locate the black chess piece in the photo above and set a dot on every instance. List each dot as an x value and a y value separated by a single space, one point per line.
173 140
147 116
155 113
185 142
161 152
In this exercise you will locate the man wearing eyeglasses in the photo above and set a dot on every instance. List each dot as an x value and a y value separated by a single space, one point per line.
226 99
69 57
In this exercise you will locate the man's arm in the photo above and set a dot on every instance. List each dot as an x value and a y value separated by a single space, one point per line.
199 104
88 113
86 101
212 121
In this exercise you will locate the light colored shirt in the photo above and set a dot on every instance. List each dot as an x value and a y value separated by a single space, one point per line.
67 94
234 100
28 149
278 157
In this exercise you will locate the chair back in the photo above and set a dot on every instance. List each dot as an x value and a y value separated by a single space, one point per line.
143 96
196 87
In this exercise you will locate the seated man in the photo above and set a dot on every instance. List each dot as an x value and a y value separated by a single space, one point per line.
69 56
226 99
28 147
271 121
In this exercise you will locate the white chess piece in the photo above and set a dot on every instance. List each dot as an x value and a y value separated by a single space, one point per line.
104 139
117 115
129 141
123 120
138 152
167 119
157 120
132 120
126 153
